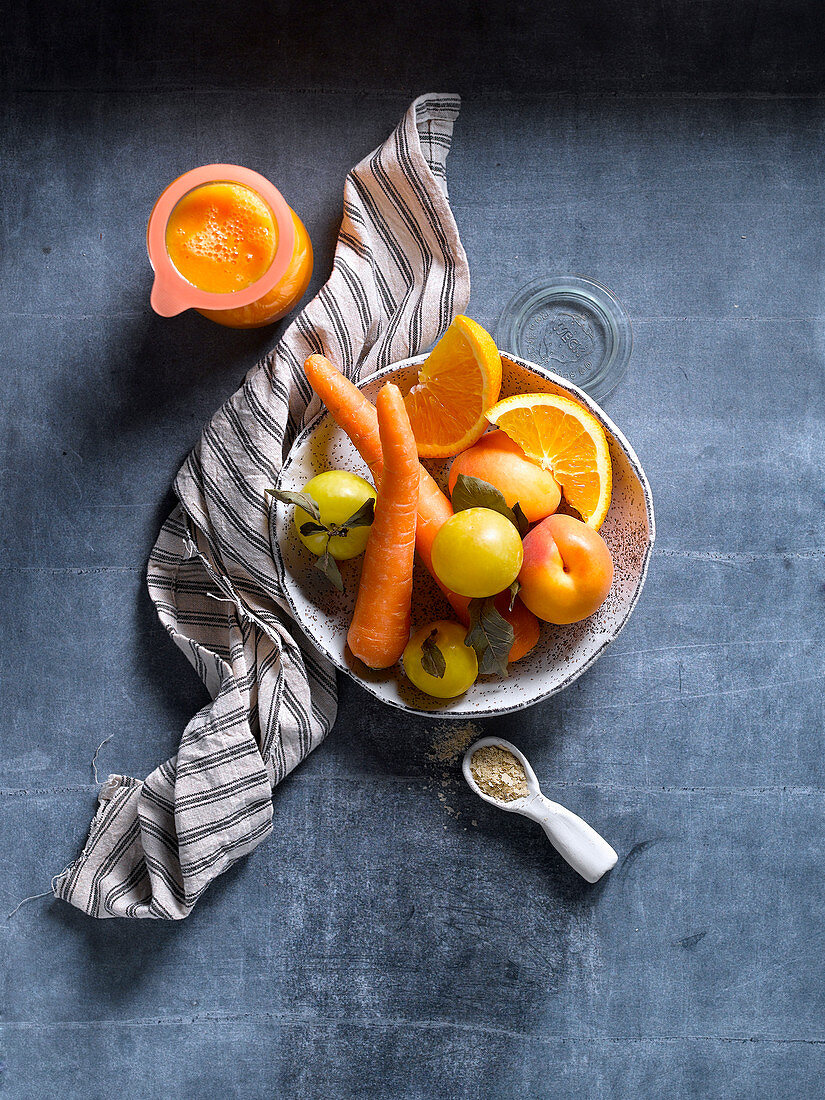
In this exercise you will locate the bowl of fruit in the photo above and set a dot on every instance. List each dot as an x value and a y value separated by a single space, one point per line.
464 532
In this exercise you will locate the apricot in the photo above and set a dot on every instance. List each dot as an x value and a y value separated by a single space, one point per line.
525 626
496 458
567 570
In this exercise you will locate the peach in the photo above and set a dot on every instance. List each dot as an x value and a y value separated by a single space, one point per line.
567 570
501 462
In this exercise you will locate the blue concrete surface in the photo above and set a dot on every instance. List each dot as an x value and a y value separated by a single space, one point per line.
385 941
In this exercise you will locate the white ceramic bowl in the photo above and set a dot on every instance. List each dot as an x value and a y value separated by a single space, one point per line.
563 653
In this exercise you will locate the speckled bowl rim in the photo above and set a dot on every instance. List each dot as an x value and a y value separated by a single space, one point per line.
488 712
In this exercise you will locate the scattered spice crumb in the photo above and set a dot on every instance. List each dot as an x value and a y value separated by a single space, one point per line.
498 773
450 741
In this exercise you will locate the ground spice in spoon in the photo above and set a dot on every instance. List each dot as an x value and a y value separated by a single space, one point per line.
498 773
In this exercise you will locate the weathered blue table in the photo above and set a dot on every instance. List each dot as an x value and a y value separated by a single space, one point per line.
395 937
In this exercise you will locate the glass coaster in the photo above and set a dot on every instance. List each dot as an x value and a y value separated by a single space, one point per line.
571 325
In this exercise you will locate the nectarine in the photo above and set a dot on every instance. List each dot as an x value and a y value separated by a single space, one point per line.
497 459
567 570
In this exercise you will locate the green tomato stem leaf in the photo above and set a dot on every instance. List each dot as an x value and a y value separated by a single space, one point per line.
513 590
490 635
432 659
522 522
472 492
329 567
311 528
363 517
300 500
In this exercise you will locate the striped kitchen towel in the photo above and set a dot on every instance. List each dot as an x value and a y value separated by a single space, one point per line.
399 277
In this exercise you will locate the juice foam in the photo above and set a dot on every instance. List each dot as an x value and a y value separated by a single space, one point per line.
222 237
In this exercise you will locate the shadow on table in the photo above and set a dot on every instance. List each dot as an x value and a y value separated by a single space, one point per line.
123 956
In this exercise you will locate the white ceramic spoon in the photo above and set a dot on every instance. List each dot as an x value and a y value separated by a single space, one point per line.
573 839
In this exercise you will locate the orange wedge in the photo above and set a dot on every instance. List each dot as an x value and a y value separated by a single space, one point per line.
568 441
458 382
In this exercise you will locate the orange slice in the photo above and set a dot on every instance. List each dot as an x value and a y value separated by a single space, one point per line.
458 382
568 441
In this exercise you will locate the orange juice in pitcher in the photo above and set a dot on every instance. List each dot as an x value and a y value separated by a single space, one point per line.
222 240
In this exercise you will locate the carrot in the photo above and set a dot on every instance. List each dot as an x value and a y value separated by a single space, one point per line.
380 626
350 410
356 415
